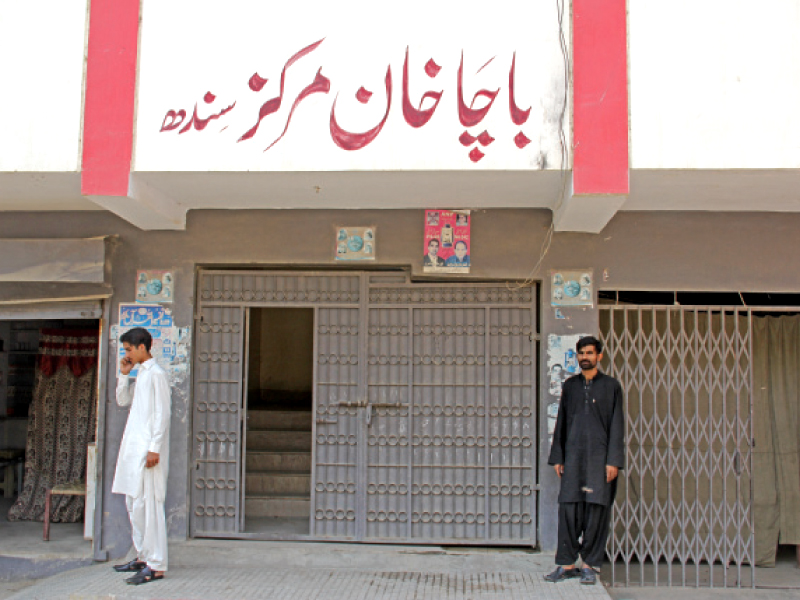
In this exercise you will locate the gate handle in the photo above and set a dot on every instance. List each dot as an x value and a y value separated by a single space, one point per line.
371 405
351 403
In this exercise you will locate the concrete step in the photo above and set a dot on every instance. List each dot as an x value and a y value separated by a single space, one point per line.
278 461
278 483
285 556
277 506
277 441
294 420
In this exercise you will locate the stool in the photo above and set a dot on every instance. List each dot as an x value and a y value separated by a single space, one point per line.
67 489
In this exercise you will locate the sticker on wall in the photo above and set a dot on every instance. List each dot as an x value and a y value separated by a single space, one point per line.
355 243
157 320
447 241
562 363
572 287
154 286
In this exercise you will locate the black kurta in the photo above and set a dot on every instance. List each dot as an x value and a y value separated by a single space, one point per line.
589 434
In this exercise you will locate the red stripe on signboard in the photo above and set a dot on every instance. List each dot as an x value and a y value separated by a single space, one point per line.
600 97
109 97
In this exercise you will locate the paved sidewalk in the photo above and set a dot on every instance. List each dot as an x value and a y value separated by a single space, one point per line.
324 572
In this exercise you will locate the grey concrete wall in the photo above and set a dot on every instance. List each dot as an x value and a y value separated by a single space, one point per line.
648 251
286 333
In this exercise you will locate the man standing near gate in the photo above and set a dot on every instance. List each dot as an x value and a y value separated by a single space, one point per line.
144 456
587 452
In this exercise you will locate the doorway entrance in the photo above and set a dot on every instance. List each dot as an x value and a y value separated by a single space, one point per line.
423 398
280 379
48 406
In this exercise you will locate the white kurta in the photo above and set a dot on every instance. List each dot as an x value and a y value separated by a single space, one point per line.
147 430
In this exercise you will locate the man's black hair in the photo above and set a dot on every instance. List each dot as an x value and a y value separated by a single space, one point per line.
433 240
461 242
589 340
136 337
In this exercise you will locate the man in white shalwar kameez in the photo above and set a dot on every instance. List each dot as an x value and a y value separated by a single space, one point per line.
143 460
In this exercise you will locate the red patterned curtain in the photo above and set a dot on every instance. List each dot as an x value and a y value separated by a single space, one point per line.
61 423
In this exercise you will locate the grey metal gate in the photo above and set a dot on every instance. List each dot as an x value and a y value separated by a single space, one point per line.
217 415
223 298
338 435
424 405
683 509
450 428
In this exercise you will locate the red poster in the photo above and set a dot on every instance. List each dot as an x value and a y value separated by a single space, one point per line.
447 243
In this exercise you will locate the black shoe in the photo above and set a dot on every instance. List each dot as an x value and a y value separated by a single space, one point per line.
132 567
560 574
588 576
146 575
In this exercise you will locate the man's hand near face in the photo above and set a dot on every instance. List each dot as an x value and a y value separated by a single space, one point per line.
125 365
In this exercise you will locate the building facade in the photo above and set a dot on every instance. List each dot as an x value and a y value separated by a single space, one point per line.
271 180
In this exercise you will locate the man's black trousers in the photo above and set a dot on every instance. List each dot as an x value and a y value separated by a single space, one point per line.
582 531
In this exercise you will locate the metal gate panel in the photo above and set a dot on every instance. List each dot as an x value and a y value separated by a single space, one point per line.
449 434
223 298
388 422
683 509
337 428
450 419
511 426
216 425
265 288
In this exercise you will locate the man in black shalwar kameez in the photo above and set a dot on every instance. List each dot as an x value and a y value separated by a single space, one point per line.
587 452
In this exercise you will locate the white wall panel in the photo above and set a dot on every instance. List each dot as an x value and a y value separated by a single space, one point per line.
41 82
714 84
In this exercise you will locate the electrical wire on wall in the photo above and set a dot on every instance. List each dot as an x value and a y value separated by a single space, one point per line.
548 237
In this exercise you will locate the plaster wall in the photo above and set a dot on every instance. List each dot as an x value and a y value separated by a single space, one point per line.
685 251
42 46
714 84
285 335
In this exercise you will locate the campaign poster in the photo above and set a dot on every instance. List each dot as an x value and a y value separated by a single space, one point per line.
355 243
154 286
447 241
157 320
562 363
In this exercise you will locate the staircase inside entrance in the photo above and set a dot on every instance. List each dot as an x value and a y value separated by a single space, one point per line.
278 472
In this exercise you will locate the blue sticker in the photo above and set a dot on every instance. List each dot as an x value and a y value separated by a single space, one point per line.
154 287
355 243
572 289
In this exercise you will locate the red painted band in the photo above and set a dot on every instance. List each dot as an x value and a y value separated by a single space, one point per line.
109 97
600 97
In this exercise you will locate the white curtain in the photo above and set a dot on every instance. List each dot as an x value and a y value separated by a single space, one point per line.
776 455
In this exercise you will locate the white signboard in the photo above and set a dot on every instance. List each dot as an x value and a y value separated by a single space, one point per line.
330 86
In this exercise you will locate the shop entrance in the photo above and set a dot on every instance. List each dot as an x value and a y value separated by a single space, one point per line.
48 406
423 399
280 378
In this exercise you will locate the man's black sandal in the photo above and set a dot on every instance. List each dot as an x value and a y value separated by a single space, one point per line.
560 574
132 567
588 576
146 575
